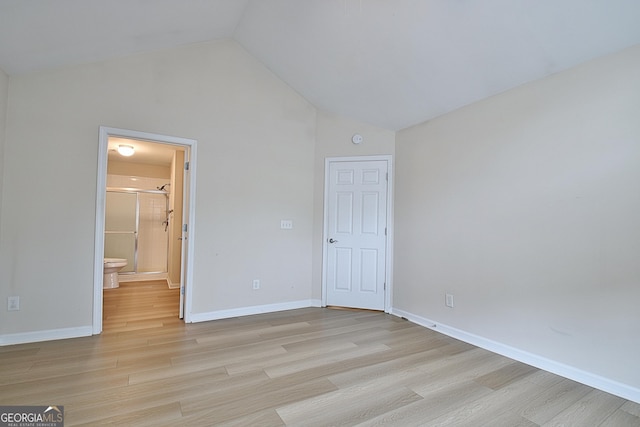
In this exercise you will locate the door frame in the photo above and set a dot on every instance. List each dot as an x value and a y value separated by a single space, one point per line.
389 243
101 191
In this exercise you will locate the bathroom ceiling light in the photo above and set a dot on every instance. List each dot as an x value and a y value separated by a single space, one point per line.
125 150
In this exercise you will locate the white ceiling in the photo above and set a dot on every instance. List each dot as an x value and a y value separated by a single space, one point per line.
391 63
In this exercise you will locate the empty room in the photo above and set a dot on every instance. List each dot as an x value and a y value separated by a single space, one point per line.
320 212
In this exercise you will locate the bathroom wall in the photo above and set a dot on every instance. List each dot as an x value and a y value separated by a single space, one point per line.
129 168
138 182
255 167
526 208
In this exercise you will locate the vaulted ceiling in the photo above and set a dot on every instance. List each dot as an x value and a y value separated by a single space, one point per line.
391 63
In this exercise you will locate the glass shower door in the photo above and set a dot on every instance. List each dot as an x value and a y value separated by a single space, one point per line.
153 241
121 224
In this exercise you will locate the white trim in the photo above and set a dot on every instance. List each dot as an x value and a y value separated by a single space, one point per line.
50 335
256 309
145 277
188 278
389 245
103 140
98 254
593 380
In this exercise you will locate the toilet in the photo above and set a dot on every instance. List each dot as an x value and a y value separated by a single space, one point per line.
111 268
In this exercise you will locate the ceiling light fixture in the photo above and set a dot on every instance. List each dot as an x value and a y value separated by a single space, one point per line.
125 150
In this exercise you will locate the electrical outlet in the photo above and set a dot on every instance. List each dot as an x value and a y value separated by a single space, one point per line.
13 303
256 284
286 224
448 300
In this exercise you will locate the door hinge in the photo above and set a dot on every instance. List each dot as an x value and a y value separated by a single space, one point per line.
387 176
186 166
384 287
385 231
185 227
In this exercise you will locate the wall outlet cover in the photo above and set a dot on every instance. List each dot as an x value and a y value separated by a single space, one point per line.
448 300
286 224
13 303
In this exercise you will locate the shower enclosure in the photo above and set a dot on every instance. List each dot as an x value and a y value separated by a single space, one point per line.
136 223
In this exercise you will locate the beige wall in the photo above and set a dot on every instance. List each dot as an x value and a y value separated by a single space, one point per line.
526 207
4 95
333 139
255 167
138 169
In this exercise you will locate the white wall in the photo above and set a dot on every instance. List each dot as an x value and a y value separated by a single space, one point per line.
255 166
333 139
526 207
4 94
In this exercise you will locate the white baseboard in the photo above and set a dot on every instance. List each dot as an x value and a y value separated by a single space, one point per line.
53 334
256 309
592 380
85 331
142 277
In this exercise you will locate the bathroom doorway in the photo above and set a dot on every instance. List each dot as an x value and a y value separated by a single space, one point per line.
144 210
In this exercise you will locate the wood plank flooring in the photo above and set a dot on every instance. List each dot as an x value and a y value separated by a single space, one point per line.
308 367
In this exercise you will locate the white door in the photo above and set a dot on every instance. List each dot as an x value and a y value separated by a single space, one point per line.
357 198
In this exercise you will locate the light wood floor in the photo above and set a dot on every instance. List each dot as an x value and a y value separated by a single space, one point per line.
308 367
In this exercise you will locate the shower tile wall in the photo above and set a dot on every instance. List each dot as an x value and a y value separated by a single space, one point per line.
152 237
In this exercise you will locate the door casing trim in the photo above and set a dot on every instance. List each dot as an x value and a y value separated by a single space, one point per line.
388 292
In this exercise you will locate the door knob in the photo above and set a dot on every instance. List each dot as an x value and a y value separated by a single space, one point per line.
333 241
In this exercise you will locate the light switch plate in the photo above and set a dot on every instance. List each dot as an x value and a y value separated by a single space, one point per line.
13 303
286 224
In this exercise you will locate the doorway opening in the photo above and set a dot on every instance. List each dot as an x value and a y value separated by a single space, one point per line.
145 211
143 208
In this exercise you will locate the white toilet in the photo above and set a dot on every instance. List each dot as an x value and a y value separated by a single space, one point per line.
111 268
